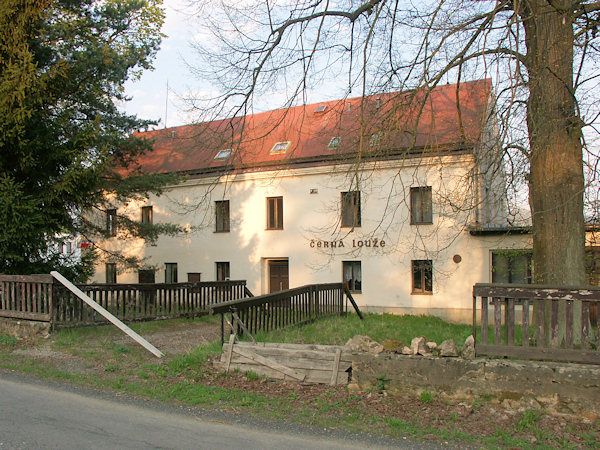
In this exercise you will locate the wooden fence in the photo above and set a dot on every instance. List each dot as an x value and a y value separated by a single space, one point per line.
285 308
36 297
26 297
537 322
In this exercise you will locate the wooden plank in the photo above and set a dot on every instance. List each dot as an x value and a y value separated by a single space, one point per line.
569 324
311 377
40 317
554 324
229 352
585 324
39 278
241 324
111 318
509 323
539 353
321 348
269 363
484 320
497 320
525 320
299 364
336 367
540 332
533 291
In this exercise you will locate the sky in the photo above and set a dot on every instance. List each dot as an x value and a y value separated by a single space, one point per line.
149 93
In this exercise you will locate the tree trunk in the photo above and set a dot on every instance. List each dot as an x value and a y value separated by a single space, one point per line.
556 182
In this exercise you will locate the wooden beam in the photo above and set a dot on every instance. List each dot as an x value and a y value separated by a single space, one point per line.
229 352
336 367
136 337
539 353
25 315
244 329
269 363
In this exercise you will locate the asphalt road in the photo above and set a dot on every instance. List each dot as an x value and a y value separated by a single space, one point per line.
36 414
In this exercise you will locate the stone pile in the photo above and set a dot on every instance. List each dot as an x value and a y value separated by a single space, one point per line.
418 347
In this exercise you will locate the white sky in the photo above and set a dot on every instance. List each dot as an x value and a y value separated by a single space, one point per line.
149 93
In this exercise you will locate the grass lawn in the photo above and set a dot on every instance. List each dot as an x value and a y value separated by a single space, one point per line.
337 331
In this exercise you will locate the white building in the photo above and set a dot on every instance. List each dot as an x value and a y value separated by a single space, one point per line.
399 195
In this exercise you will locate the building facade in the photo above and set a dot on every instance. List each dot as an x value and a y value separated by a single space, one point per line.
409 213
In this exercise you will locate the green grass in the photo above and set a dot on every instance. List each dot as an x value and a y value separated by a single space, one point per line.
338 330
8 340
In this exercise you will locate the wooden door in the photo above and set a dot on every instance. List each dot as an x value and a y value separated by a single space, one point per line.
278 276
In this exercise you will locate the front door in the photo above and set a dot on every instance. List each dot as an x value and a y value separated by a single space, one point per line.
278 276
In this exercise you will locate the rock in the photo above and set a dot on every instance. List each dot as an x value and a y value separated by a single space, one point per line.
392 346
417 346
406 350
364 344
374 347
468 350
448 348
353 387
431 346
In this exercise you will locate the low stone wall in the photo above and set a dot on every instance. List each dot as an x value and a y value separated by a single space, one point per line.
521 385
24 329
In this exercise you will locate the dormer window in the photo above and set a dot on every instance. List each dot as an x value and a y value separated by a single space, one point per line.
320 108
375 139
280 147
335 142
224 154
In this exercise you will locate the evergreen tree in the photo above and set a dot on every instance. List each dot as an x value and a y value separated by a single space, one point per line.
63 64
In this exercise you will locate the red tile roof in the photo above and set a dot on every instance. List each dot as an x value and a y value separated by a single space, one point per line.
310 128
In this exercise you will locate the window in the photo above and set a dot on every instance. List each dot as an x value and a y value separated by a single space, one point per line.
67 248
320 108
146 276
111 222
420 205
512 266
422 276
222 216
352 275
147 214
280 147
222 271
111 273
335 142
275 213
170 272
194 277
223 154
351 209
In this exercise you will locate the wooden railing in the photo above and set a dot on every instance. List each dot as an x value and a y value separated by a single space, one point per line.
26 297
284 308
537 322
134 302
39 297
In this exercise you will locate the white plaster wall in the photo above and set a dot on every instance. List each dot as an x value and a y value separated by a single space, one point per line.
313 217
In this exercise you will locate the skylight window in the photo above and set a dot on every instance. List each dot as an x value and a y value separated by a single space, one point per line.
280 147
320 108
375 139
224 154
335 142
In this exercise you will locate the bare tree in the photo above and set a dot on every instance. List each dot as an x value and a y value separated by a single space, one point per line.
542 55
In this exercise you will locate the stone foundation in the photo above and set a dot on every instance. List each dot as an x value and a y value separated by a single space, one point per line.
558 387
24 329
